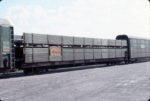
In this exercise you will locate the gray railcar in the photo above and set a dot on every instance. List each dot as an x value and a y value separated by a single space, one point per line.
6 45
138 48
52 50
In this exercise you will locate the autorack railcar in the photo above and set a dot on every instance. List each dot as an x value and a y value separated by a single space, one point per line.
42 51
138 48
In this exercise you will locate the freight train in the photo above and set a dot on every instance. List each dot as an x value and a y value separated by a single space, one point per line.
37 52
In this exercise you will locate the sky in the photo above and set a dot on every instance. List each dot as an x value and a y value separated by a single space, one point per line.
84 18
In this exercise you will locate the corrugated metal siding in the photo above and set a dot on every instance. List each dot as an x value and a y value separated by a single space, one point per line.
97 54
78 54
124 43
52 39
97 42
112 53
88 41
118 53
40 55
40 39
105 53
28 58
36 55
67 54
67 40
112 42
78 41
118 43
89 53
28 55
55 58
104 42
27 37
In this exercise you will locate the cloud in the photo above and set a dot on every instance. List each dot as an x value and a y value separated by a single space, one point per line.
90 18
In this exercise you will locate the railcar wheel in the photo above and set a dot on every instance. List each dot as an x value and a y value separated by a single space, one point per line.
109 63
27 71
46 69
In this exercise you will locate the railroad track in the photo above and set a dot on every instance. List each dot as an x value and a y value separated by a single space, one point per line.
59 70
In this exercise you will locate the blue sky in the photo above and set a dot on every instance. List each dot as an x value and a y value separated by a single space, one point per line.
86 18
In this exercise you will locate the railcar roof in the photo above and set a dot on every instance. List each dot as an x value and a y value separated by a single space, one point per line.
131 37
4 22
